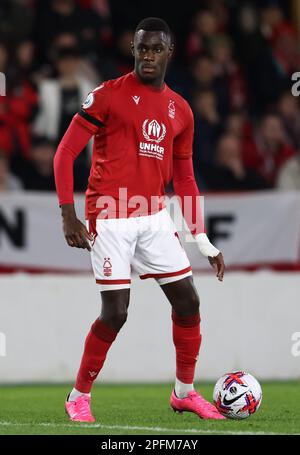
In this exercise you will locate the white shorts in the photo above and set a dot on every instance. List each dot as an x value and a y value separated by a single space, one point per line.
148 244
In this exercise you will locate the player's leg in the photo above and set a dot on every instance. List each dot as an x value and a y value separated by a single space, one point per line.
111 255
160 255
101 336
184 300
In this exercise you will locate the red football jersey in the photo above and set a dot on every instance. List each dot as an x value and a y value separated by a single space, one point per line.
138 129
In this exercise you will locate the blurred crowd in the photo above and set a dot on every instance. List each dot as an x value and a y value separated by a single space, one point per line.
233 63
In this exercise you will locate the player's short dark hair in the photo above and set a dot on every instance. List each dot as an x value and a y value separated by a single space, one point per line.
154 24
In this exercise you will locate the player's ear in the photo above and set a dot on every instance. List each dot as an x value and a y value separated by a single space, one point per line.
171 50
132 48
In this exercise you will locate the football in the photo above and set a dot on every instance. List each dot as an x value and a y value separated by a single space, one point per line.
237 395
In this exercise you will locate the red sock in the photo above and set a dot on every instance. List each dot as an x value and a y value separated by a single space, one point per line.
187 341
97 343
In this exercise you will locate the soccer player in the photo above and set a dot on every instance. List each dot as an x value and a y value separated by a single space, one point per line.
143 135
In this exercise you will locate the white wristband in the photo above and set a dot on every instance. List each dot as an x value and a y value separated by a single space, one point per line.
205 247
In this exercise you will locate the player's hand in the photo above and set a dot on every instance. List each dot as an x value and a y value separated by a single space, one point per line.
76 234
217 263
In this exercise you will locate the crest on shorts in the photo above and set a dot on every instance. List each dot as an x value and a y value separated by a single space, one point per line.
107 267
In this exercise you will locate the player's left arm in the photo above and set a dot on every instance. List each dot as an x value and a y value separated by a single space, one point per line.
186 189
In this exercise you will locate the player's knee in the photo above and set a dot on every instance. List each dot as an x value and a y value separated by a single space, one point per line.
187 306
193 302
117 319
114 308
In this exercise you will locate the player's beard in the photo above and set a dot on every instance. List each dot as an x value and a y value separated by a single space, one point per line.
155 76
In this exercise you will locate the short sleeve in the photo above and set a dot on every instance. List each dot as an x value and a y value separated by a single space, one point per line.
94 110
183 142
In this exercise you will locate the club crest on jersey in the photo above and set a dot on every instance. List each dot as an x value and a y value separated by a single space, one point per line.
153 131
88 101
171 109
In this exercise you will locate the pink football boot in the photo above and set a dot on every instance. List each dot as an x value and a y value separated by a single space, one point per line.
194 402
80 409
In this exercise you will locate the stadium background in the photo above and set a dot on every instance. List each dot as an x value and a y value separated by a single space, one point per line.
234 63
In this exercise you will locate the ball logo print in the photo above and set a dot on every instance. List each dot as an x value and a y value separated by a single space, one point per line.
240 400
233 378
153 131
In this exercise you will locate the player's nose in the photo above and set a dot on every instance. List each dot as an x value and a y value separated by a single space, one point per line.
149 56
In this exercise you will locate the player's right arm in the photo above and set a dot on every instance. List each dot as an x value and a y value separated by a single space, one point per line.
84 125
72 143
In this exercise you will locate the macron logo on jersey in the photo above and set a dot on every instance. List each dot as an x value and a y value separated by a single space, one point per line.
136 99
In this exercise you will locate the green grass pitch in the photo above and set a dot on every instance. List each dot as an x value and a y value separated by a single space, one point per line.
141 409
